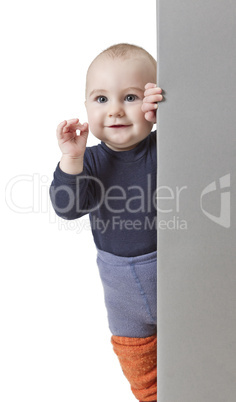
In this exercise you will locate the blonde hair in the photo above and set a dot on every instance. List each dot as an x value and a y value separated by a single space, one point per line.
125 51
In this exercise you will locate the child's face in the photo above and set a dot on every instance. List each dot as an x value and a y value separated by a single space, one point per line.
114 95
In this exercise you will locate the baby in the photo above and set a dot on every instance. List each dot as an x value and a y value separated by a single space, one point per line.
115 182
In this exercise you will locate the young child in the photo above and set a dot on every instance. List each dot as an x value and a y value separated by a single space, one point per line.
115 182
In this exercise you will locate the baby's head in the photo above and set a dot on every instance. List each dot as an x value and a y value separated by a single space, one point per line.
114 92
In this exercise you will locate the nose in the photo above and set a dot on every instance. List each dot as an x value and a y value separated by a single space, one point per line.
116 110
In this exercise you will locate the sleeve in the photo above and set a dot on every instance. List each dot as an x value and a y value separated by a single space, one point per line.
72 196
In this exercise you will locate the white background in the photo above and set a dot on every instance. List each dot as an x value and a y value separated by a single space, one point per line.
54 337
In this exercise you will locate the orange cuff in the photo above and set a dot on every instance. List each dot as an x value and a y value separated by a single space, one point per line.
138 360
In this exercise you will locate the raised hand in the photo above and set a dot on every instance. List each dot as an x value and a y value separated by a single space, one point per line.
71 144
152 95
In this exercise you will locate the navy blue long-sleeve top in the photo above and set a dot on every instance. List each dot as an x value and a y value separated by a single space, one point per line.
117 189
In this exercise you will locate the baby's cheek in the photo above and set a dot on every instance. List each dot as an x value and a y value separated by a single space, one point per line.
93 116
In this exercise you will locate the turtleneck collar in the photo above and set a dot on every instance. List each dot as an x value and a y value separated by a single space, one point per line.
131 155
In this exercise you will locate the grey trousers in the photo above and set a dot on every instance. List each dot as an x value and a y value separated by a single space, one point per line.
130 290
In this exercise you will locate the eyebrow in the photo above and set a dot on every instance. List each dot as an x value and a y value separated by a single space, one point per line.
135 89
101 91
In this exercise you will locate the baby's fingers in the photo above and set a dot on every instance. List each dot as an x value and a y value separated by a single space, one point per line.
150 85
152 91
151 116
148 106
73 124
153 98
84 130
60 128
67 126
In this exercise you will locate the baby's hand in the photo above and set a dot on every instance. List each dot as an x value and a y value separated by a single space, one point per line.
70 143
152 95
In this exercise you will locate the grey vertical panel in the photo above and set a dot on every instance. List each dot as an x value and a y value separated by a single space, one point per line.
197 217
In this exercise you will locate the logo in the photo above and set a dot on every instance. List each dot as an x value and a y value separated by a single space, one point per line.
224 218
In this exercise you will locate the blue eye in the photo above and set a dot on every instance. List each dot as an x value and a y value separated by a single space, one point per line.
102 99
131 98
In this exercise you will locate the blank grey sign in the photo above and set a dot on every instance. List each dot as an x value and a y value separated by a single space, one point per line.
196 200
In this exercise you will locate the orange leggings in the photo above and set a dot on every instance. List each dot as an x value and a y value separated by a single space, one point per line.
138 360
